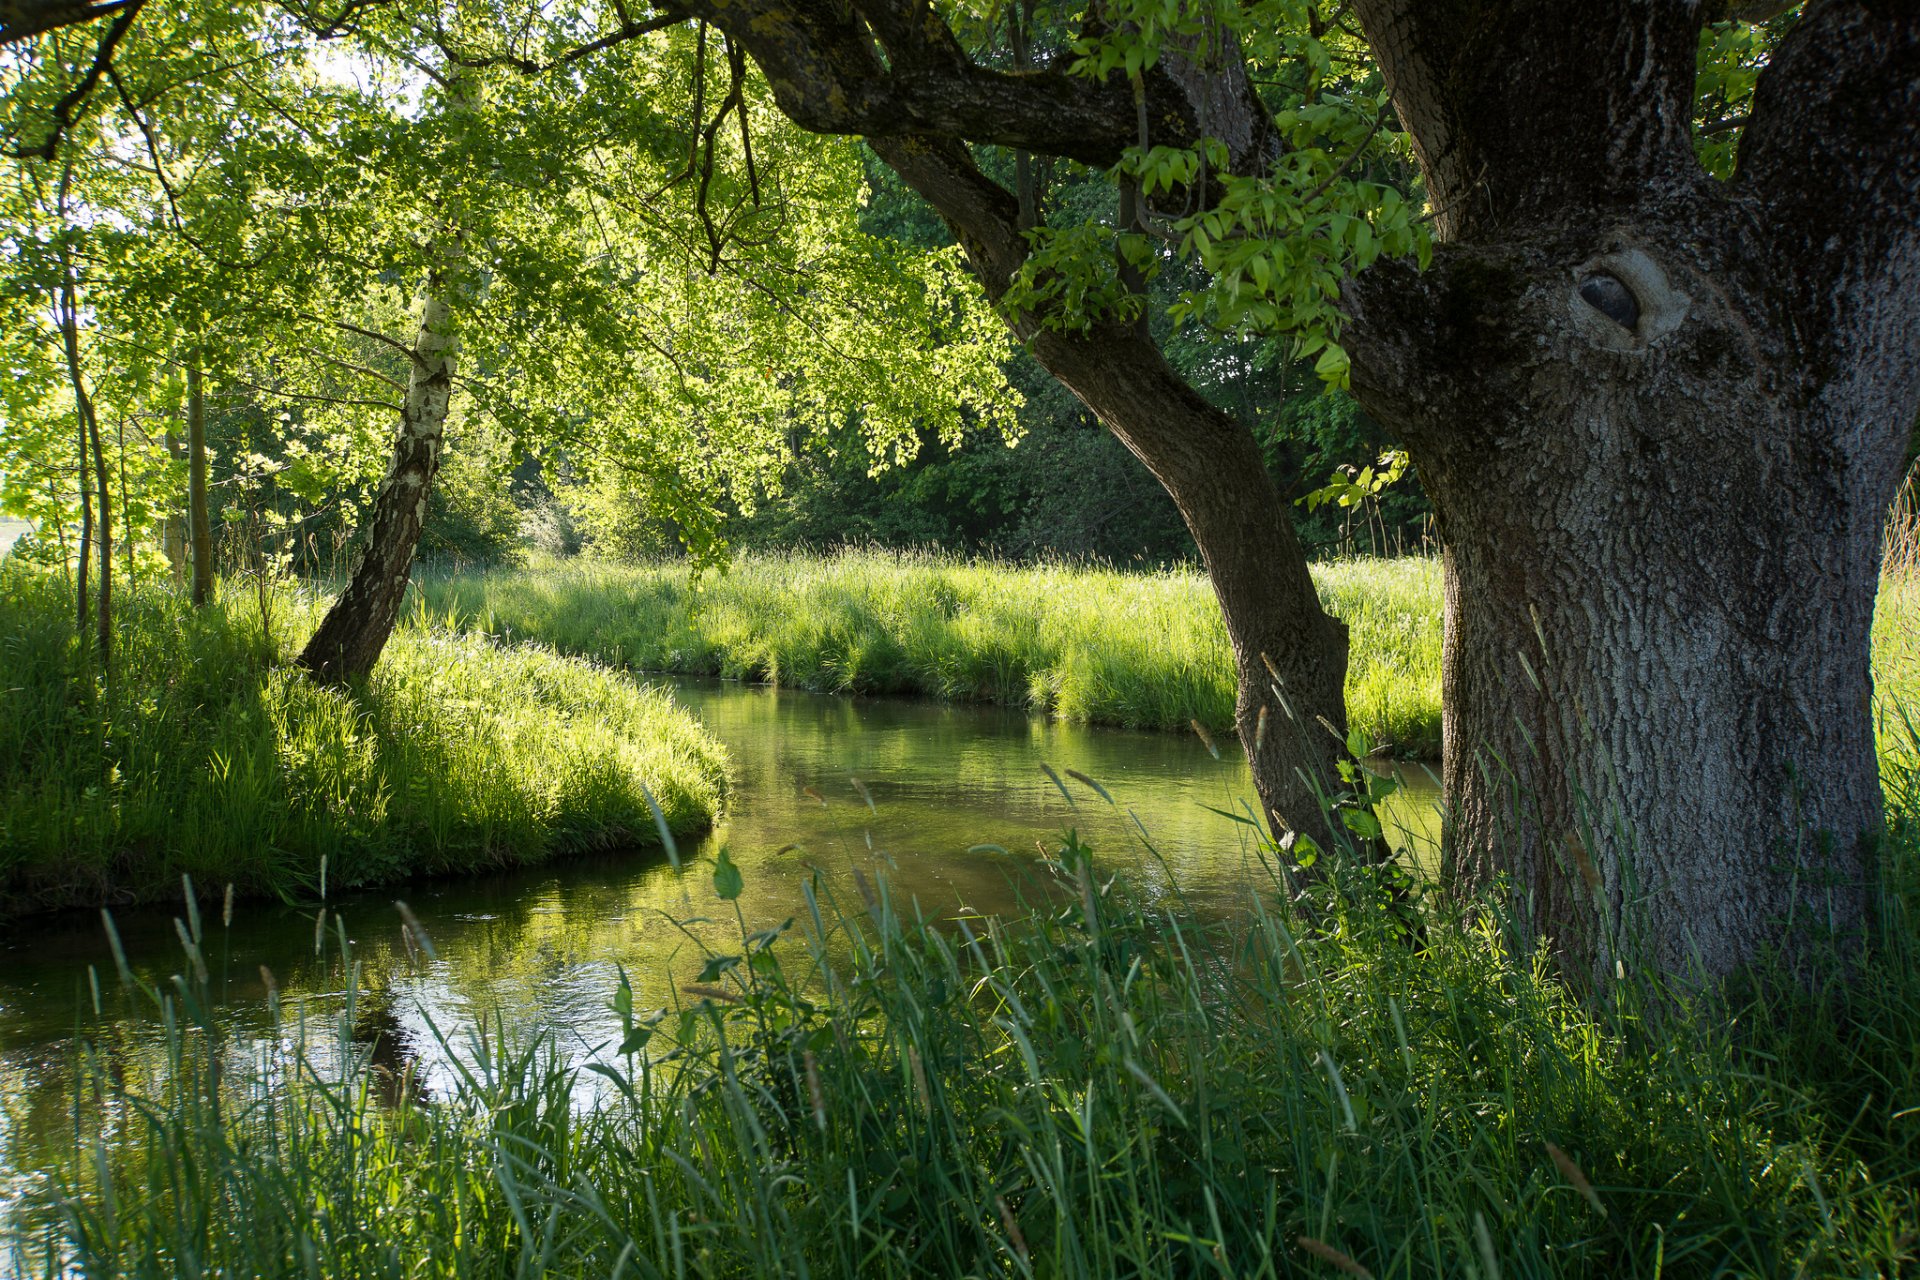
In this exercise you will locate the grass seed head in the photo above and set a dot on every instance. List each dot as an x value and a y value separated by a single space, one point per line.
1333 1257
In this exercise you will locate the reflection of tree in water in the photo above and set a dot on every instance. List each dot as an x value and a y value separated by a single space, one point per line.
391 1052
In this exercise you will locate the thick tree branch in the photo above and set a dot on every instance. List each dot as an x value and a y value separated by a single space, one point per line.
1521 108
1833 149
823 60
24 19
65 110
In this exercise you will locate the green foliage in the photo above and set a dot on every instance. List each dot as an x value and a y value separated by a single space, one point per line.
472 515
1100 1086
1728 64
210 755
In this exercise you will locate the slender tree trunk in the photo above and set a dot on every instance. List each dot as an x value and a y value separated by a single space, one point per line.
83 589
355 630
173 534
91 449
199 523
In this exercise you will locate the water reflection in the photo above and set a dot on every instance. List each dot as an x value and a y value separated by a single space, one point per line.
950 789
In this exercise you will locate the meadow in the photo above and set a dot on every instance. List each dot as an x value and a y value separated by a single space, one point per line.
1079 641
207 754
1082 642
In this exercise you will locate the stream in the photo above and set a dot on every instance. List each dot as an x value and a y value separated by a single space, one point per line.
955 815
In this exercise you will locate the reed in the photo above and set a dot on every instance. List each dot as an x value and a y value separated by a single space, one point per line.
1094 1087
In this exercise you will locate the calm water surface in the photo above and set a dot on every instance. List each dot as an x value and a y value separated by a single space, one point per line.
542 947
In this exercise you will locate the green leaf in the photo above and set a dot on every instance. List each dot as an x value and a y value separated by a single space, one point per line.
1361 823
726 877
715 967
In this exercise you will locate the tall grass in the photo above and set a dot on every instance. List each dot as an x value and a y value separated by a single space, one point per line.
207 754
1097 1089
1145 650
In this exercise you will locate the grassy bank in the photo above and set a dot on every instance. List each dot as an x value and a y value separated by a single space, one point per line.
208 756
1097 1090
1083 643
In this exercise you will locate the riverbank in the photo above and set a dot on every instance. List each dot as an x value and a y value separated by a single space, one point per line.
1098 1087
209 756
1083 643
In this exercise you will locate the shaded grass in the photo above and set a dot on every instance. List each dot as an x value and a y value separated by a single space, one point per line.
1144 650
1097 1089
208 755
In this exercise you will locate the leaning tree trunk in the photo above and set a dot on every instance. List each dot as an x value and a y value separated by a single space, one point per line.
355 630
1290 655
894 73
1660 419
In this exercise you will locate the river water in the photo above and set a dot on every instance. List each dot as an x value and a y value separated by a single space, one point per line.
945 808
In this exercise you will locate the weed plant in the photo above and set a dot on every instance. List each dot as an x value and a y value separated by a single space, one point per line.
1082 642
207 753
1096 1087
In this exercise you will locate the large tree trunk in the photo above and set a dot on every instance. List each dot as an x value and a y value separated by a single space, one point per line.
355 630
1661 421
1660 578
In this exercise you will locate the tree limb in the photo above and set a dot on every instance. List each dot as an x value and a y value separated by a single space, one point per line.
64 110
24 19
1833 147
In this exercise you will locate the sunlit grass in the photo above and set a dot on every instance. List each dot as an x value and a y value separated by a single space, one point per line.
1086 643
206 753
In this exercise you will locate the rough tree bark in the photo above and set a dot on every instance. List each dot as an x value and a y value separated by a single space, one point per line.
350 638
1661 419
